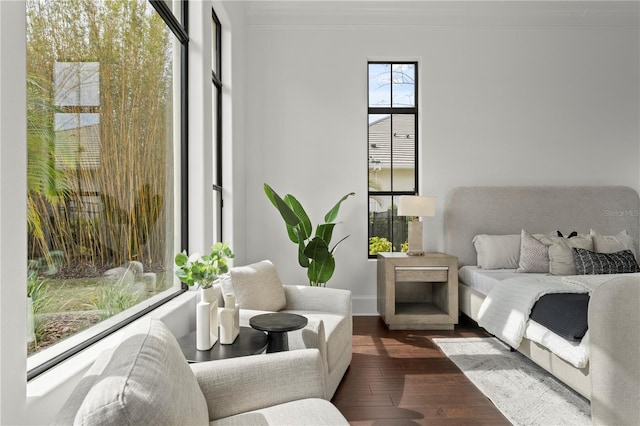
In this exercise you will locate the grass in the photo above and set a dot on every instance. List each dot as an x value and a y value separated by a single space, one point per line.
75 294
71 305
79 294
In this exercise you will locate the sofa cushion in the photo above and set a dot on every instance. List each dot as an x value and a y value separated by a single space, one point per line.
146 381
258 286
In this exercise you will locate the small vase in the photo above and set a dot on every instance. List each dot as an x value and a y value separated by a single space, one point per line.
229 320
206 320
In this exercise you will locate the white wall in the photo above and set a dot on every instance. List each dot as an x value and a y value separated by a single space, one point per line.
515 94
13 210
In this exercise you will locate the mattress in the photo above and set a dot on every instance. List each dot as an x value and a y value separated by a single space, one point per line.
483 280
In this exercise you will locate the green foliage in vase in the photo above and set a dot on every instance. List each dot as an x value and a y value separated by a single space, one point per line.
314 251
203 270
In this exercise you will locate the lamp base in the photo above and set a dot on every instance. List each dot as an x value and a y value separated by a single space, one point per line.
415 238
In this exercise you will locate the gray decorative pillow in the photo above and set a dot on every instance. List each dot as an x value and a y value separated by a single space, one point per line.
534 255
590 263
497 251
560 254
258 287
613 243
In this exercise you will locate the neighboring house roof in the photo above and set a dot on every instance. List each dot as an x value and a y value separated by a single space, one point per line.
78 147
382 138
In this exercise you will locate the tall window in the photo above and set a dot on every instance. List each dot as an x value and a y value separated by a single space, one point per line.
216 80
392 150
103 120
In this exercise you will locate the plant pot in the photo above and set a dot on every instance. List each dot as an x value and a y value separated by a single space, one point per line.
206 320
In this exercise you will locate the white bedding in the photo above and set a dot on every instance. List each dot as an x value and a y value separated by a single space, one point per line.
576 353
506 309
591 282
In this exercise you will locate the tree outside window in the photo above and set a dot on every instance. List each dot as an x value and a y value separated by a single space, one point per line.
101 119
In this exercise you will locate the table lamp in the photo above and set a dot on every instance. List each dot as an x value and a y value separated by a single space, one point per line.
416 206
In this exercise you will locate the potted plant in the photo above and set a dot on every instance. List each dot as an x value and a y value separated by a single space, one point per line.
314 251
203 271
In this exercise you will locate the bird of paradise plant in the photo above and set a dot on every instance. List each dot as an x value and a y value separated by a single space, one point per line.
314 251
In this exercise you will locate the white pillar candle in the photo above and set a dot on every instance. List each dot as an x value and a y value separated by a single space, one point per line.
229 301
203 326
229 320
226 326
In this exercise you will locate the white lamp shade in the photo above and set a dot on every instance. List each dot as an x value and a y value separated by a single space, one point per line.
414 205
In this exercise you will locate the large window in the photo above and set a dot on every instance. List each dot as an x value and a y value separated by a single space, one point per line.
104 120
392 150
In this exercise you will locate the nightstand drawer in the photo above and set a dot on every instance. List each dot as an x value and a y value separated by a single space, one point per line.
432 274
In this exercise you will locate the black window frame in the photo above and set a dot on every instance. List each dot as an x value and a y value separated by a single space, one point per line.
216 80
180 30
391 111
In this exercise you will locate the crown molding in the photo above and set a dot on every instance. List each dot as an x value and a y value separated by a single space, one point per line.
420 14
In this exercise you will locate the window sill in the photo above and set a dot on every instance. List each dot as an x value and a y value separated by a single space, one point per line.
48 391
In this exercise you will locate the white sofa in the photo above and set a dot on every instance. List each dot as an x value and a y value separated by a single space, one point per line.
146 381
258 289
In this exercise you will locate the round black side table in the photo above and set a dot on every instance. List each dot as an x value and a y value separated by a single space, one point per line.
277 325
248 342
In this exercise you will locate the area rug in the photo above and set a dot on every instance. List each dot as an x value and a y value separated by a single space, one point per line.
525 393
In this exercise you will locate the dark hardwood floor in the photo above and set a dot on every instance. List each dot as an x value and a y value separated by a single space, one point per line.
402 378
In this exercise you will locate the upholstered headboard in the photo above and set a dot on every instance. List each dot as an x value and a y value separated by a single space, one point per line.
501 210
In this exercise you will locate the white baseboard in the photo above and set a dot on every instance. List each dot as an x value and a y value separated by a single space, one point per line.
365 305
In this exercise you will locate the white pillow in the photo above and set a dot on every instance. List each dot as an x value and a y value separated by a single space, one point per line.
497 251
561 254
258 287
613 243
534 255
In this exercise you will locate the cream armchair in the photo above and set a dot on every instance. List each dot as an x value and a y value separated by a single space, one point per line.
258 289
146 380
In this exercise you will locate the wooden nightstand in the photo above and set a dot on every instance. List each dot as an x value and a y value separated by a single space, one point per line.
418 292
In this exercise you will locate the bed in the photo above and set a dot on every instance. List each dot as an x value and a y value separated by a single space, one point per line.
611 378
